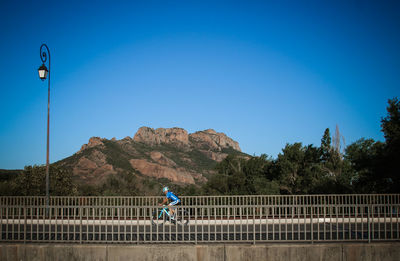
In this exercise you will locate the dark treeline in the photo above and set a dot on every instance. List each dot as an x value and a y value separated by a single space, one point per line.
365 166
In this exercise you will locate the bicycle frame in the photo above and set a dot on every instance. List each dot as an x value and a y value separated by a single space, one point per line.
166 211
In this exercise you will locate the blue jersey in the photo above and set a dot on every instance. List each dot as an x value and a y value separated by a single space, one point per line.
172 196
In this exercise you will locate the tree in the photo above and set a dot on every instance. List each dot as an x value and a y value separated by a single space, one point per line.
258 176
391 156
364 157
32 182
330 155
326 145
376 164
289 167
391 124
120 184
337 141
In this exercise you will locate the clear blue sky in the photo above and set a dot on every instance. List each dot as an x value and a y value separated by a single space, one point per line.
265 73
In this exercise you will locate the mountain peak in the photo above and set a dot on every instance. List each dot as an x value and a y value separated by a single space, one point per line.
159 136
93 142
208 139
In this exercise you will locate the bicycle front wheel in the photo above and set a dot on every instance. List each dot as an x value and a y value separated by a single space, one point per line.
157 219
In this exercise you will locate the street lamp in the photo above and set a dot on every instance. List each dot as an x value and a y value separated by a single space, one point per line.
43 72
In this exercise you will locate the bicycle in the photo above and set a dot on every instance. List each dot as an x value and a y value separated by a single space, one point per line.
162 215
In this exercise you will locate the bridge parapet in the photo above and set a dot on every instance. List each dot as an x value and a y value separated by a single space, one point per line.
227 252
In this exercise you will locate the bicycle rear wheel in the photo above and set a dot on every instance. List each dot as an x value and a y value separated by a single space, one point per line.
183 217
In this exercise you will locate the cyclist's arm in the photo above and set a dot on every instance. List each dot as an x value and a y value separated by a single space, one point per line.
164 201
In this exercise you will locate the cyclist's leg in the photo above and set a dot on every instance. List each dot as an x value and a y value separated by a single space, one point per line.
171 208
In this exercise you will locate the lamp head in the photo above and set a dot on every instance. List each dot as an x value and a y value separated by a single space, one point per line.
43 72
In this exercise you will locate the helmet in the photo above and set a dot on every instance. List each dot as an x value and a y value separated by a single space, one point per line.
165 189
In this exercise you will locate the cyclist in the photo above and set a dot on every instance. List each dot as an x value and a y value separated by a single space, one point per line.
174 200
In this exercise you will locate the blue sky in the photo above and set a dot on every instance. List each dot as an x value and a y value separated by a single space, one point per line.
266 73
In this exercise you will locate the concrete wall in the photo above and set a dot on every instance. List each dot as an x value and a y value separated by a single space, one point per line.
224 252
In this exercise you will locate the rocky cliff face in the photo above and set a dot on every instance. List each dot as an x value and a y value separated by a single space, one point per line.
207 139
212 140
176 136
171 154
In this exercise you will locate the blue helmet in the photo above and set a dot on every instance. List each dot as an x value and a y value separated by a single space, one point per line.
165 189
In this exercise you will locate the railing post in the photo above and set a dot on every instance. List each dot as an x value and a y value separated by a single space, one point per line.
312 225
24 224
1 220
369 223
195 224
80 223
254 225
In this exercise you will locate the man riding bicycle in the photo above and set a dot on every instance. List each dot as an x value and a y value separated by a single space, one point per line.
170 196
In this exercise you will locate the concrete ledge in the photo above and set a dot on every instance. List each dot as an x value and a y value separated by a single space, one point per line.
56 252
151 252
331 252
225 252
371 252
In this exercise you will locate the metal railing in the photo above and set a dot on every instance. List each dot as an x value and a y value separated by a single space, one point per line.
301 218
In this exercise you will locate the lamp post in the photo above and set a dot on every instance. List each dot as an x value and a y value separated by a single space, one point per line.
43 72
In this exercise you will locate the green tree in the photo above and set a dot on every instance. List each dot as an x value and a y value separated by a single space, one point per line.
121 184
391 124
331 159
364 156
376 164
326 145
32 182
259 180
289 167
391 156
217 185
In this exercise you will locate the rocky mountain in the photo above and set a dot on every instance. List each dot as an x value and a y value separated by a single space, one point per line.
169 155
